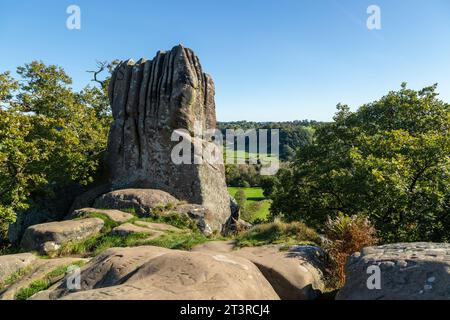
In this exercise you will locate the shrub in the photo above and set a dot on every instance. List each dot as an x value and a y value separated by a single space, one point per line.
346 235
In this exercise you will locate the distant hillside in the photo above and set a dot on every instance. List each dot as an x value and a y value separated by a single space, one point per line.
293 134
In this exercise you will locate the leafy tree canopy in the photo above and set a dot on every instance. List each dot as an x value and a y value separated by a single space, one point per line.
50 136
390 161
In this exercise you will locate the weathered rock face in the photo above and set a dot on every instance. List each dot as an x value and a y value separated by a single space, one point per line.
150 100
10 264
39 271
152 273
143 201
408 271
295 274
48 237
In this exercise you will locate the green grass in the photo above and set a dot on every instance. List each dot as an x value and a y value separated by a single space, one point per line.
179 240
188 237
15 276
45 283
278 232
97 244
254 195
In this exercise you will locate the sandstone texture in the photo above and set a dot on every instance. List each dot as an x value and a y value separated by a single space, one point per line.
10 264
40 270
151 101
409 271
295 274
48 237
203 217
152 273
143 201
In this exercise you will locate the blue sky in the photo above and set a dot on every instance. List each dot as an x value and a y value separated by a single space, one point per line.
271 60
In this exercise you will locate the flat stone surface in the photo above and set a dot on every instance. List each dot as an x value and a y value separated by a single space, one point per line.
43 237
295 274
412 271
152 273
109 268
114 215
41 267
10 264
129 228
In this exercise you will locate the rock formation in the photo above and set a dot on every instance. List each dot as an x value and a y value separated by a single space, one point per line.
151 99
152 273
48 237
406 271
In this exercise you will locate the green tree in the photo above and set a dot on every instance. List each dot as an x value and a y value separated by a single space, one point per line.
50 136
388 161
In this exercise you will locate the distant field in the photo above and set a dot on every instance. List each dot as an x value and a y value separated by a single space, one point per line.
241 156
254 195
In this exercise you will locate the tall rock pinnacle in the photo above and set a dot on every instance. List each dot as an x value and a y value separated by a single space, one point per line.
150 99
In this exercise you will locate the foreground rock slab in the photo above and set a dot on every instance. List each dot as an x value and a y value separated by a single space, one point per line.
295 274
48 237
11 264
411 271
152 273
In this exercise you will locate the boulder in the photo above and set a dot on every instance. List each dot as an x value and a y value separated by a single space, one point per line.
114 215
143 201
48 237
11 264
407 271
152 273
155 104
202 216
295 274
